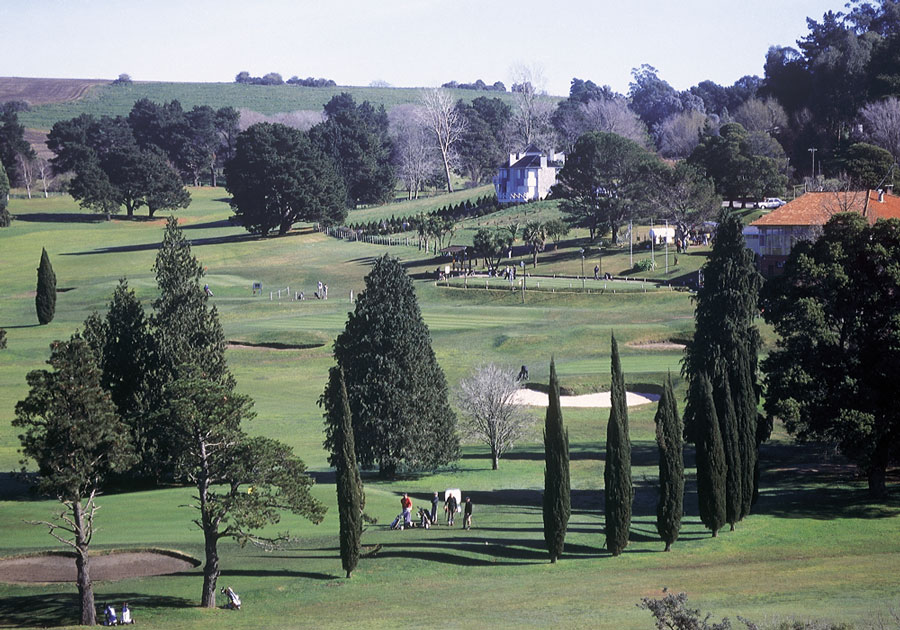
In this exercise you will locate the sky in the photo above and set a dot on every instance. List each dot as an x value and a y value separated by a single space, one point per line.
407 43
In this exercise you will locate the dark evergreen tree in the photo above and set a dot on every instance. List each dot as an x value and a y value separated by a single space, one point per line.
711 468
187 338
5 219
725 347
670 508
45 298
397 390
557 500
72 432
124 347
349 486
617 472
278 177
728 429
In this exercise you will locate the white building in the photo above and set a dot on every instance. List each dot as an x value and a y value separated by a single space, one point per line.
528 176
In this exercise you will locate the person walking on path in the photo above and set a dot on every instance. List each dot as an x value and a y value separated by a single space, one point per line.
467 514
434 507
596 272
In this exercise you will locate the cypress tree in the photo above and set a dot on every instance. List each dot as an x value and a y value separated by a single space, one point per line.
557 500
725 346
670 508
45 299
617 473
731 447
397 390
711 469
349 486
5 219
744 392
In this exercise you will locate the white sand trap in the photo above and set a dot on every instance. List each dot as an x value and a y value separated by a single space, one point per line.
601 399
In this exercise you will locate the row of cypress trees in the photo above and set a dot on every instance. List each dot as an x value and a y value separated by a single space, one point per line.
721 416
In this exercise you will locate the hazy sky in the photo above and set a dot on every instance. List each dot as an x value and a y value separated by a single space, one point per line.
408 43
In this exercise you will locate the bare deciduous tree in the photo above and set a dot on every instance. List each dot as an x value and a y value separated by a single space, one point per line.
881 124
415 157
44 172
756 114
531 118
613 116
445 122
26 171
302 119
679 134
487 400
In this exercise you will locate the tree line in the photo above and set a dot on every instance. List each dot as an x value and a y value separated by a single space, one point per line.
273 78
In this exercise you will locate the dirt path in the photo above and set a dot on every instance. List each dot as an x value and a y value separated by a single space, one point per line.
57 567
601 399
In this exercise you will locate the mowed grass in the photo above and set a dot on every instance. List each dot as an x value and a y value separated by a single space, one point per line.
814 547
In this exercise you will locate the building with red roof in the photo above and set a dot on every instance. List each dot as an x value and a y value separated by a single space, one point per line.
773 235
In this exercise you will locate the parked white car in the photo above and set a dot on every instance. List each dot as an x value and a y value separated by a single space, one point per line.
770 203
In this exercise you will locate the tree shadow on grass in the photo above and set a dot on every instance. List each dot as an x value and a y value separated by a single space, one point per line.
279 573
60 217
62 609
143 247
810 481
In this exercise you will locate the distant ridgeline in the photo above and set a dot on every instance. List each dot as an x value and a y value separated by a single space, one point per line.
395 225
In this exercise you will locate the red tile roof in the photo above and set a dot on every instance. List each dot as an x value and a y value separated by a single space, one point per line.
815 208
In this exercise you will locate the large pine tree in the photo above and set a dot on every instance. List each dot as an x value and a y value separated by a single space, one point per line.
557 494
339 424
45 297
711 467
397 390
724 348
617 473
124 347
187 339
670 508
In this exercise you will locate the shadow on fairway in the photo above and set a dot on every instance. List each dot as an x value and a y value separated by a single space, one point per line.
279 573
61 217
62 609
143 247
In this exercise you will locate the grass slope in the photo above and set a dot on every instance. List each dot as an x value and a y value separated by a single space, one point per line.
117 100
814 547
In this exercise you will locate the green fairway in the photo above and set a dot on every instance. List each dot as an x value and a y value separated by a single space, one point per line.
814 546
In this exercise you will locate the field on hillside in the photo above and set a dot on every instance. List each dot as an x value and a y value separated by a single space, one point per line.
117 100
814 548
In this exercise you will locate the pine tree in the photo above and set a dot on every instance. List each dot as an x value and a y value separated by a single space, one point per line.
557 500
397 390
728 429
45 299
670 508
72 432
187 339
349 484
725 346
5 219
711 468
123 344
617 473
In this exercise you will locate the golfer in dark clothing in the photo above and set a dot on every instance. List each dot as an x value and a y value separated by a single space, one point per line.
467 514
434 506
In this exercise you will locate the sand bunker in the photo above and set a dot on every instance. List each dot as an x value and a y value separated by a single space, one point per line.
601 399
60 567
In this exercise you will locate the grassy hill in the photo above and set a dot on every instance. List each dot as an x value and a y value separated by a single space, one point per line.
815 547
100 98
